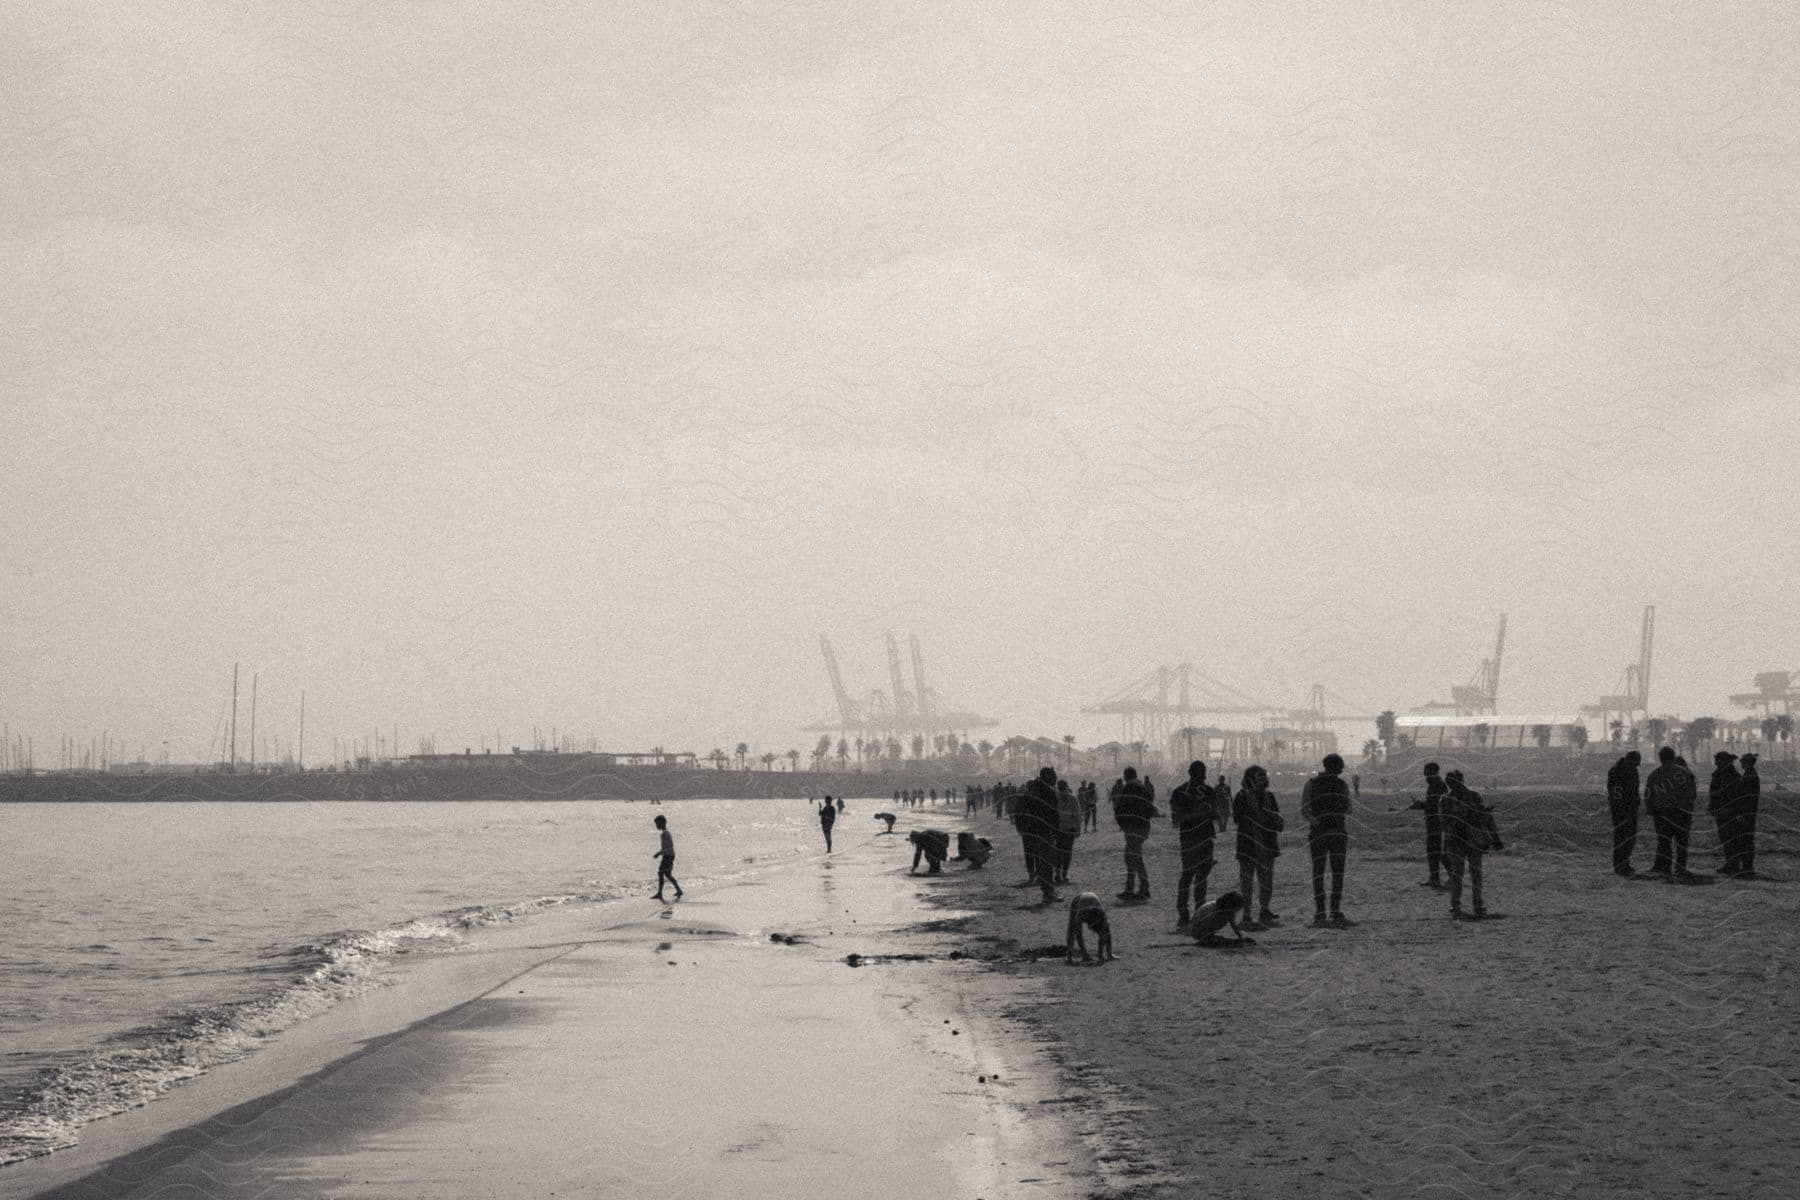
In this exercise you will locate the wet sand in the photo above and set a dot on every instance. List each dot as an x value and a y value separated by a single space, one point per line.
675 1050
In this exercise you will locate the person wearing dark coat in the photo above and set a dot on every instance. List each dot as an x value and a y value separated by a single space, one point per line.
1469 832
1722 798
1133 807
1669 794
1624 800
1434 826
1259 825
1036 819
1740 837
1325 804
1192 811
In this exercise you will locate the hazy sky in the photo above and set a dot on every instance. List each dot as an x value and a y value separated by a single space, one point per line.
477 367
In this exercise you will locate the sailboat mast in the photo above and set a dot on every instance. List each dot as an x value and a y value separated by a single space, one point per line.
253 679
234 681
303 731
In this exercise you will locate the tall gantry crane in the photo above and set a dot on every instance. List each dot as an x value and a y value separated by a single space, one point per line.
1630 703
1481 696
899 712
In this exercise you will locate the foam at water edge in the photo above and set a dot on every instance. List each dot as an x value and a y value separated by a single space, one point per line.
50 1111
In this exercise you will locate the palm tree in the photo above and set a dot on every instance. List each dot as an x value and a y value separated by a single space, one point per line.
1578 736
743 752
793 757
937 744
1385 723
1541 735
918 745
1656 729
843 755
1069 751
719 759
1371 748
821 752
1784 729
985 748
768 760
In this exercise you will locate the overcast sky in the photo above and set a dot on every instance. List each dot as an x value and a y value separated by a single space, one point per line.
472 368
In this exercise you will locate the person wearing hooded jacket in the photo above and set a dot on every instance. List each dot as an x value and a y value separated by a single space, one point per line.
1740 842
1133 807
1036 819
1192 810
1669 794
1259 826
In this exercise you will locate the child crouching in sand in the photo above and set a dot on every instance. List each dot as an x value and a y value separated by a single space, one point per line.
1212 919
1087 911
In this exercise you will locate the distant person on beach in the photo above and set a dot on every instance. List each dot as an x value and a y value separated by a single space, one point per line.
1211 920
840 806
1090 806
889 818
1259 826
1133 808
1740 835
827 818
1086 912
665 854
1325 804
1669 794
1722 796
1434 826
1193 811
1068 828
1469 833
1035 818
1221 795
1623 801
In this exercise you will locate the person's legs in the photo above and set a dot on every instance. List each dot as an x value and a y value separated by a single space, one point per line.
1747 842
1660 864
1137 878
1475 884
1624 838
1247 879
1265 888
1683 829
1434 848
1315 846
1453 863
1339 843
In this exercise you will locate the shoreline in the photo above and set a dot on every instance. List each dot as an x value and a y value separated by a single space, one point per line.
419 1061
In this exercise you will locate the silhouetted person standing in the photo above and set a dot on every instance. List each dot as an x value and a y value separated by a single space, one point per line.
1434 826
1740 845
1326 806
1068 828
1132 809
1669 794
827 818
1623 799
1469 834
1259 825
1036 818
1193 808
1722 797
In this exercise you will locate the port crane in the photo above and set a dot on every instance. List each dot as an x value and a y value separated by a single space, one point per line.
1630 702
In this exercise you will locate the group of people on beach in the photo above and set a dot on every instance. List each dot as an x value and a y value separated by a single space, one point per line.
1670 795
1460 830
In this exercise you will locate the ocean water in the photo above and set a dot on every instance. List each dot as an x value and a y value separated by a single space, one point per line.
143 943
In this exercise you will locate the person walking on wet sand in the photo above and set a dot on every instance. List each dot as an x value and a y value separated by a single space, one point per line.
1435 789
1132 809
1623 800
1068 828
827 818
1192 811
1325 803
665 855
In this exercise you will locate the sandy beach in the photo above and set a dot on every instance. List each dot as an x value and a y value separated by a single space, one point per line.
1605 1038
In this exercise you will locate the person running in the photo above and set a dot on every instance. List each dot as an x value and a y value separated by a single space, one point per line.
1434 826
1259 826
1192 811
1623 800
665 854
827 818
1469 833
1326 806
1132 809
1669 794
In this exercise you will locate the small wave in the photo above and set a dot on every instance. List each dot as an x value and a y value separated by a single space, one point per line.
47 1113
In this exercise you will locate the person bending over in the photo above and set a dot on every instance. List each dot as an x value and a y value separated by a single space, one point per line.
1212 919
1087 911
933 845
889 818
